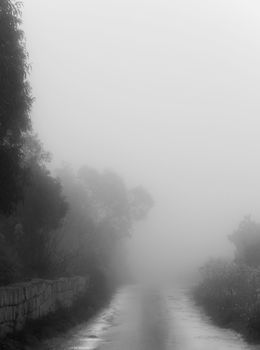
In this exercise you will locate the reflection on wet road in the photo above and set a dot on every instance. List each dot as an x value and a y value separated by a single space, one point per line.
142 319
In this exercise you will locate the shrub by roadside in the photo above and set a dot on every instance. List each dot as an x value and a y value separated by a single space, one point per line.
229 294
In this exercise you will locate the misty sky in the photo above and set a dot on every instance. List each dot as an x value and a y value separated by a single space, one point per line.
164 92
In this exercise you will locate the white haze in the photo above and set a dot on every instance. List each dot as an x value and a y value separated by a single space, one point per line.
164 92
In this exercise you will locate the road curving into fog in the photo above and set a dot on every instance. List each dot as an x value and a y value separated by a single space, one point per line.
147 319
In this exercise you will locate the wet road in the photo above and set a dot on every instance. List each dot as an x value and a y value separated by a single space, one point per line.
142 319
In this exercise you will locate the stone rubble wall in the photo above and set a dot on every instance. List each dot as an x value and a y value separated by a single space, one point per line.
36 299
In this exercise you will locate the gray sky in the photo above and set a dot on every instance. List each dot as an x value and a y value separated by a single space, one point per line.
164 92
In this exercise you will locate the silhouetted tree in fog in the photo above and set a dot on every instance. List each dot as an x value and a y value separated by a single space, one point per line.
109 197
15 103
246 240
229 290
33 229
141 202
102 211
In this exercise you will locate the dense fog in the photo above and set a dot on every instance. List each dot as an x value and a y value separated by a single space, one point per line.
129 174
164 93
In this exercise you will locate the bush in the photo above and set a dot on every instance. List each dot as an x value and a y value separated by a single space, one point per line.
228 292
10 266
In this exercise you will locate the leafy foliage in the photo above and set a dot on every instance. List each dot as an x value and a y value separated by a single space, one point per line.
229 291
141 203
15 104
36 223
247 242
100 216
10 265
32 230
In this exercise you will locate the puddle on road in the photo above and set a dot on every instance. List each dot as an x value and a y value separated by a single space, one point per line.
93 335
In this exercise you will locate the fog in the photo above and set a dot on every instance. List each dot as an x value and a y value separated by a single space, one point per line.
165 93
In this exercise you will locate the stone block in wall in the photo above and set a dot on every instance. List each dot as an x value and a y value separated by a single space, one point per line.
7 314
2 319
3 297
20 317
35 299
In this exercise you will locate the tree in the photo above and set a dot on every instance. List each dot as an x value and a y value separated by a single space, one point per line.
33 228
78 248
246 240
109 198
15 104
141 203
114 203
102 212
